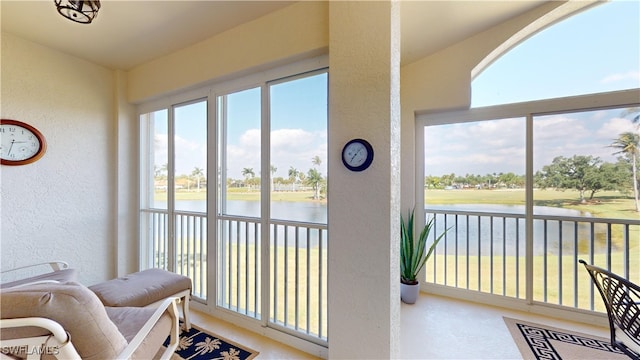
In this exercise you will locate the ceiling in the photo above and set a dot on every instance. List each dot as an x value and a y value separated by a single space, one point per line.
129 33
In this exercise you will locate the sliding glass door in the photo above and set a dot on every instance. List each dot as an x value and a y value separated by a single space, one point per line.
272 210
174 191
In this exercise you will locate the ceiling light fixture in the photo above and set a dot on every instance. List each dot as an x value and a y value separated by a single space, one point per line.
79 11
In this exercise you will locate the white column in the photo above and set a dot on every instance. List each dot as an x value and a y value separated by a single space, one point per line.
364 102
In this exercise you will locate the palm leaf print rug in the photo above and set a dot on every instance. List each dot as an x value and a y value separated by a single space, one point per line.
198 344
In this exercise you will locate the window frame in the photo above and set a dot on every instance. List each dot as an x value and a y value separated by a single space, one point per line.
210 92
528 110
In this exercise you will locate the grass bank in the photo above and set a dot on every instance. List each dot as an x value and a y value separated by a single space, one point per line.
243 195
607 204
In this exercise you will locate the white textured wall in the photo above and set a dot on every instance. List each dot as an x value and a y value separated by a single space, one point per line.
127 194
364 102
62 206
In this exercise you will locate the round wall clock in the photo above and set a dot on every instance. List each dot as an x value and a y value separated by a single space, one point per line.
21 143
357 155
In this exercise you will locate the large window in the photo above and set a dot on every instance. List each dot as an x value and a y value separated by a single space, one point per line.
233 195
473 167
272 216
585 201
526 191
528 188
173 190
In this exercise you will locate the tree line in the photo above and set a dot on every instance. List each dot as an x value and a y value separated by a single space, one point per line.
313 178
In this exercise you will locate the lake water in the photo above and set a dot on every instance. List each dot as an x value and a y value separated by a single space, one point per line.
506 237
283 210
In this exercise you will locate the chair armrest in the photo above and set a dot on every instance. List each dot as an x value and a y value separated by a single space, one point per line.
61 339
168 305
36 283
55 265
22 274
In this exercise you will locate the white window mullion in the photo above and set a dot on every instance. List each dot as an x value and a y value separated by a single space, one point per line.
146 188
265 204
171 188
221 111
214 128
529 210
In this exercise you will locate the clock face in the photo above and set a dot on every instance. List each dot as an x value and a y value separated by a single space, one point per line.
357 155
21 143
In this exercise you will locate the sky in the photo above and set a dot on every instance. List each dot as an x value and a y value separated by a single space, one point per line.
596 50
572 57
298 115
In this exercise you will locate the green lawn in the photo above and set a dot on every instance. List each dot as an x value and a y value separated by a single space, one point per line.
607 204
243 194
505 282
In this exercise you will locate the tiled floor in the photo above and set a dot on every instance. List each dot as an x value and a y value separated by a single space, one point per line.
434 328
447 328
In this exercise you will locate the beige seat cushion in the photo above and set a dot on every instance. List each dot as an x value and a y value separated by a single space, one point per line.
141 288
72 305
130 320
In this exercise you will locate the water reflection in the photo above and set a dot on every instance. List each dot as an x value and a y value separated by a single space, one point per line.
304 211
505 235
472 235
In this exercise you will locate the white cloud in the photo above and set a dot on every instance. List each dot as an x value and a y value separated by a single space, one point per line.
250 138
631 75
499 146
612 128
558 129
189 154
160 142
475 148
290 138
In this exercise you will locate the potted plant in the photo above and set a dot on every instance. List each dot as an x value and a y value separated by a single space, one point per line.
413 256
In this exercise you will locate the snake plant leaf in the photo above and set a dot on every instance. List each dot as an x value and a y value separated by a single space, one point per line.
412 251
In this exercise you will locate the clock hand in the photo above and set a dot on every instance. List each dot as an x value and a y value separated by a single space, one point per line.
10 147
354 155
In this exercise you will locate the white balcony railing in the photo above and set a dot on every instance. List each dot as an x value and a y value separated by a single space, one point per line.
189 255
487 252
297 294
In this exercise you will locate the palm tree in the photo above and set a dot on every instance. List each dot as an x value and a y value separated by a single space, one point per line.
273 171
302 177
293 176
247 173
632 111
160 175
314 178
197 173
628 144
316 160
